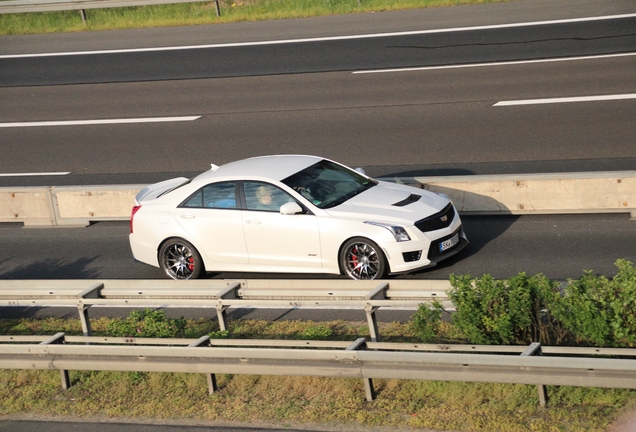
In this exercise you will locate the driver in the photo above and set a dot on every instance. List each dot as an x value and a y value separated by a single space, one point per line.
264 195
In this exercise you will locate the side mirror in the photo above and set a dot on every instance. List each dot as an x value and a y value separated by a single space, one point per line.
361 171
290 208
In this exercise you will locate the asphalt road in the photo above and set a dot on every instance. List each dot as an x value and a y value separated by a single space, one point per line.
419 122
277 58
433 121
560 247
398 123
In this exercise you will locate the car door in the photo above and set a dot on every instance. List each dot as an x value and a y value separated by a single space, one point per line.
212 217
276 239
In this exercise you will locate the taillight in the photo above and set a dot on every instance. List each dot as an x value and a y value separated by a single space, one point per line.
135 209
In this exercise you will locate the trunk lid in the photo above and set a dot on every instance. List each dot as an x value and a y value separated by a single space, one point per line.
155 190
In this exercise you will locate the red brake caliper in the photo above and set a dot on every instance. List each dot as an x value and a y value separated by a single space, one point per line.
191 263
354 258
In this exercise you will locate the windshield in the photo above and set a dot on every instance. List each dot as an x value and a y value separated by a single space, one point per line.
327 184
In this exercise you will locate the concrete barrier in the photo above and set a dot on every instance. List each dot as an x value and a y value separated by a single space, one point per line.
67 205
31 205
77 205
516 194
519 194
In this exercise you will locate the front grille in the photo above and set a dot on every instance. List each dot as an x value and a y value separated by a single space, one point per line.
437 221
412 256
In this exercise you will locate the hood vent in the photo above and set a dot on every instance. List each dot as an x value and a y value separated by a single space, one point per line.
411 199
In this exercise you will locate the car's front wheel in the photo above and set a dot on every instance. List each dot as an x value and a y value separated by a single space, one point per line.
180 260
362 259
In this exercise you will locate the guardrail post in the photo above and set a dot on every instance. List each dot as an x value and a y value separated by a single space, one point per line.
231 292
85 319
92 292
379 293
535 349
218 9
58 338
360 344
211 378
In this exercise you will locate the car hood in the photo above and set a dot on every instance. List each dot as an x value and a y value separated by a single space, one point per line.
377 204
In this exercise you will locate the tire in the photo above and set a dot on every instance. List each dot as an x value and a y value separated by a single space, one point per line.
362 259
180 260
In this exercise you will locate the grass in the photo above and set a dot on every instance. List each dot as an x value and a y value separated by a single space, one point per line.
288 401
202 13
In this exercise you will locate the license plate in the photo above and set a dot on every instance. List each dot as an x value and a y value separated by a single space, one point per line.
447 244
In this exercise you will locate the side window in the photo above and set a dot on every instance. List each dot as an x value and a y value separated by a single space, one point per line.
264 196
215 195
195 200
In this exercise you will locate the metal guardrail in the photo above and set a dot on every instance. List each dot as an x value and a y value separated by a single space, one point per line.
21 6
358 359
222 294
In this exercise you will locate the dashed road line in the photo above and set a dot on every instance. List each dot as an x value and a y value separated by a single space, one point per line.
566 100
99 122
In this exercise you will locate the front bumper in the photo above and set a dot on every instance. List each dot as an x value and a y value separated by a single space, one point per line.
405 257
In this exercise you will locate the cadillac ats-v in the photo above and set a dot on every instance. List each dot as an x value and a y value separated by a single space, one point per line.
291 214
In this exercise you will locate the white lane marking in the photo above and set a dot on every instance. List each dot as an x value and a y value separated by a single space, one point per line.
34 174
567 100
508 63
99 122
323 39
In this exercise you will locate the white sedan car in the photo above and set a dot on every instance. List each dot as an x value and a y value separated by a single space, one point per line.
291 214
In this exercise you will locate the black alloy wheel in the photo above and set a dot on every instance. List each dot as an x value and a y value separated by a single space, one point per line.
180 260
362 259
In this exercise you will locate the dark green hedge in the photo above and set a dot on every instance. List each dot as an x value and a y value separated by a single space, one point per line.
592 310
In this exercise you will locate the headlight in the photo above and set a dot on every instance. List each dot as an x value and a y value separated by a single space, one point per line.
398 232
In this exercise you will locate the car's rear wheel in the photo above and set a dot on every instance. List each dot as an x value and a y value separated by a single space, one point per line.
362 259
180 260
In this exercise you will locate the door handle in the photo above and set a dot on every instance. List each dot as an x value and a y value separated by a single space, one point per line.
187 216
253 222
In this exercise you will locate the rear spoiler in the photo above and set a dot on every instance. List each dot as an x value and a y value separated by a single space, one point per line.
154 190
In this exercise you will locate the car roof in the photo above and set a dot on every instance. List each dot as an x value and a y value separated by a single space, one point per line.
274 167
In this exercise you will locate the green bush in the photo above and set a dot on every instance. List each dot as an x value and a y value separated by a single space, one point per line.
509 311
148 323
601 311
426 321
592 310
